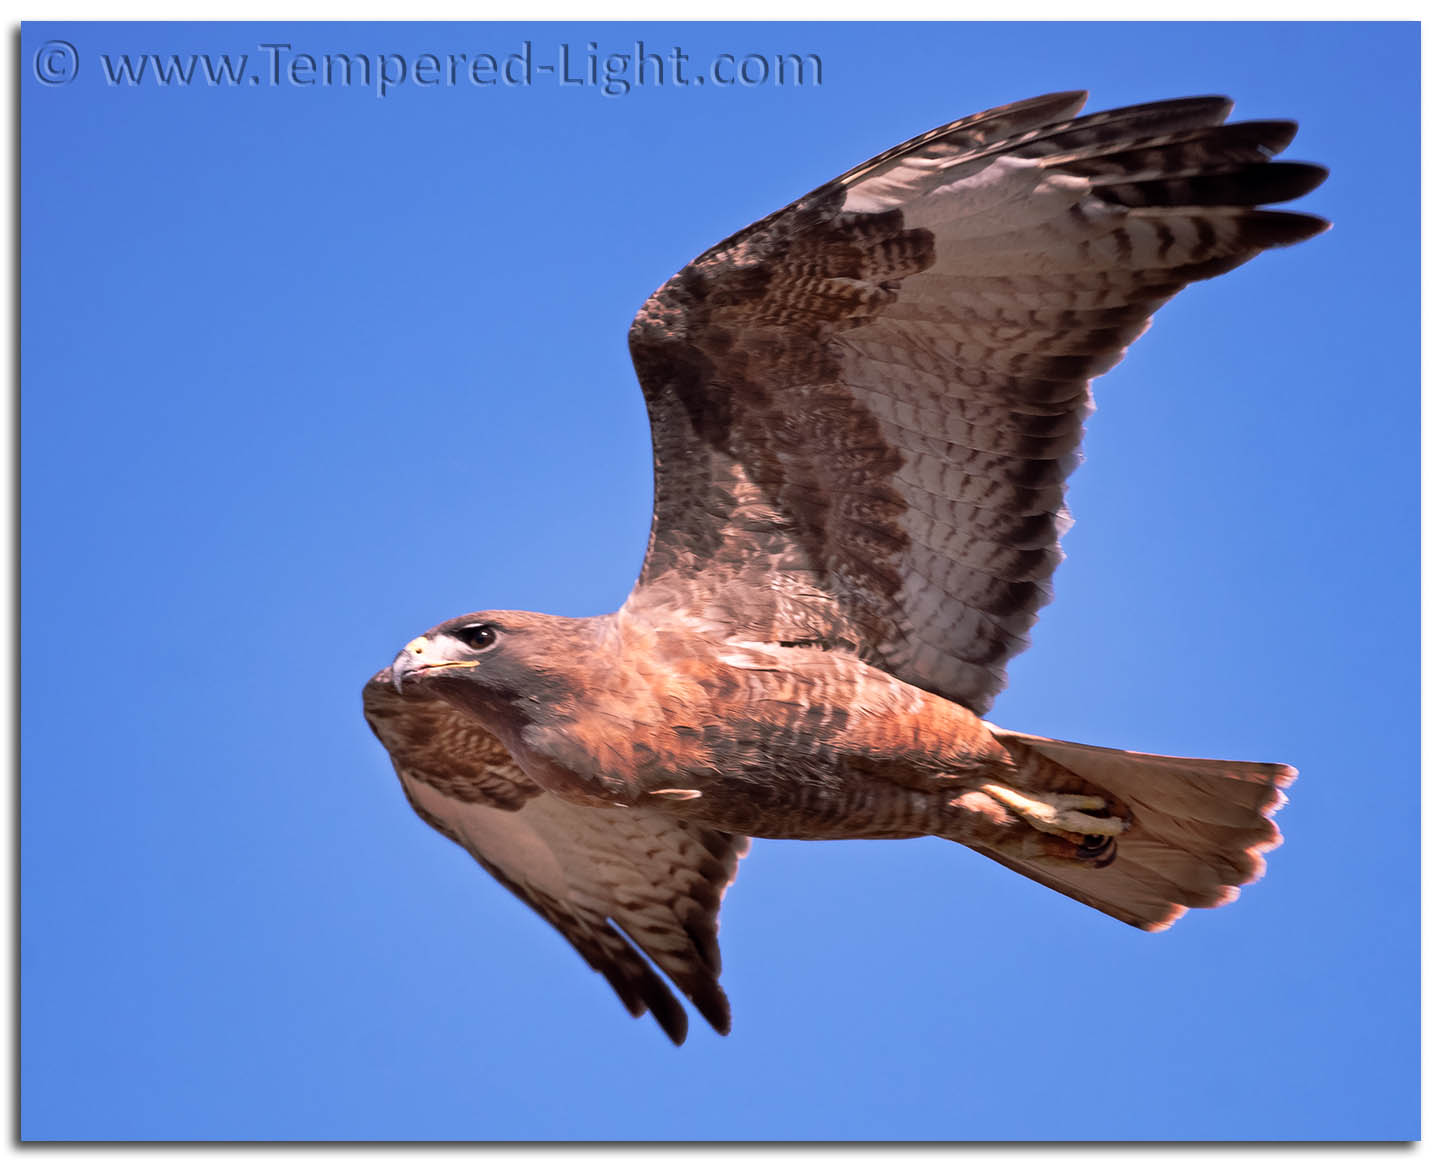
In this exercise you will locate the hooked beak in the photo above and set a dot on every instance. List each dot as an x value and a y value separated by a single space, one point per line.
420 655
401 669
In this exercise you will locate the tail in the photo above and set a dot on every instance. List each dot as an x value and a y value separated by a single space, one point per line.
1198 827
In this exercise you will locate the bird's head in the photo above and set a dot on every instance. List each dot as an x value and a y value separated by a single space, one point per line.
499 661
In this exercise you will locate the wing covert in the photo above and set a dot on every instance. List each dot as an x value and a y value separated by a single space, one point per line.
598 876
864 407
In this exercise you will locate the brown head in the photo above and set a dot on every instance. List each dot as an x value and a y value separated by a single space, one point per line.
505 666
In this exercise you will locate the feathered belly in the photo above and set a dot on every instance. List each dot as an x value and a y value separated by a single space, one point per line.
825 750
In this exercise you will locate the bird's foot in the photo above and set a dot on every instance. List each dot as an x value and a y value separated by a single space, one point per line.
1057 813
1081 821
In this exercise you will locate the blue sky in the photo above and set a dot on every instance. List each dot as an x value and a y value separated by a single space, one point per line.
308 369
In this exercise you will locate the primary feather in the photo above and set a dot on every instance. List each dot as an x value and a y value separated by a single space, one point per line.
864 410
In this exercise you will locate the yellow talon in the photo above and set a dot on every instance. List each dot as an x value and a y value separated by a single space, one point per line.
1058 814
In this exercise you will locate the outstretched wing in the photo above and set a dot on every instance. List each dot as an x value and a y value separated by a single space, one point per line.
864 408
598 875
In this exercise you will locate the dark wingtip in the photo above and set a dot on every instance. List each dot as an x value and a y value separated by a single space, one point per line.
1297 178
1066 103
713 1005
1273 135
673 1023
1215 105
1207 109
665 1009
1285 228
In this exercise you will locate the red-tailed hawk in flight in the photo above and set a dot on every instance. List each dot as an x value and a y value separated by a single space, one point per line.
864 410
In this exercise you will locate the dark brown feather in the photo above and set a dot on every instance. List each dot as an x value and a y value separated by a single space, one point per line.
864 409
861 396
593 874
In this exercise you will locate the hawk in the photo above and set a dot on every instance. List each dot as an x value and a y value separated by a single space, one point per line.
864 409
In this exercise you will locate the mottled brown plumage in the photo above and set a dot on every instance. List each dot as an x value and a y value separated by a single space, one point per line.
864 410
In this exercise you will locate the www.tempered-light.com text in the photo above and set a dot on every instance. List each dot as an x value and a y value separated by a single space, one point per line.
276 64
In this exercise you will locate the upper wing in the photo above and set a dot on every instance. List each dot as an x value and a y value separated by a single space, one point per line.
588 870
864 407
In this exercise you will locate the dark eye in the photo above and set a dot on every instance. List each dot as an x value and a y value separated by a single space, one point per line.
476 637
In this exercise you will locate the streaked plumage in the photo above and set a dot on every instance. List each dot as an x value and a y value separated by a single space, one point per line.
864 409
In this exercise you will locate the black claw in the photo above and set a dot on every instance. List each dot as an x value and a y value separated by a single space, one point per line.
1098 850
